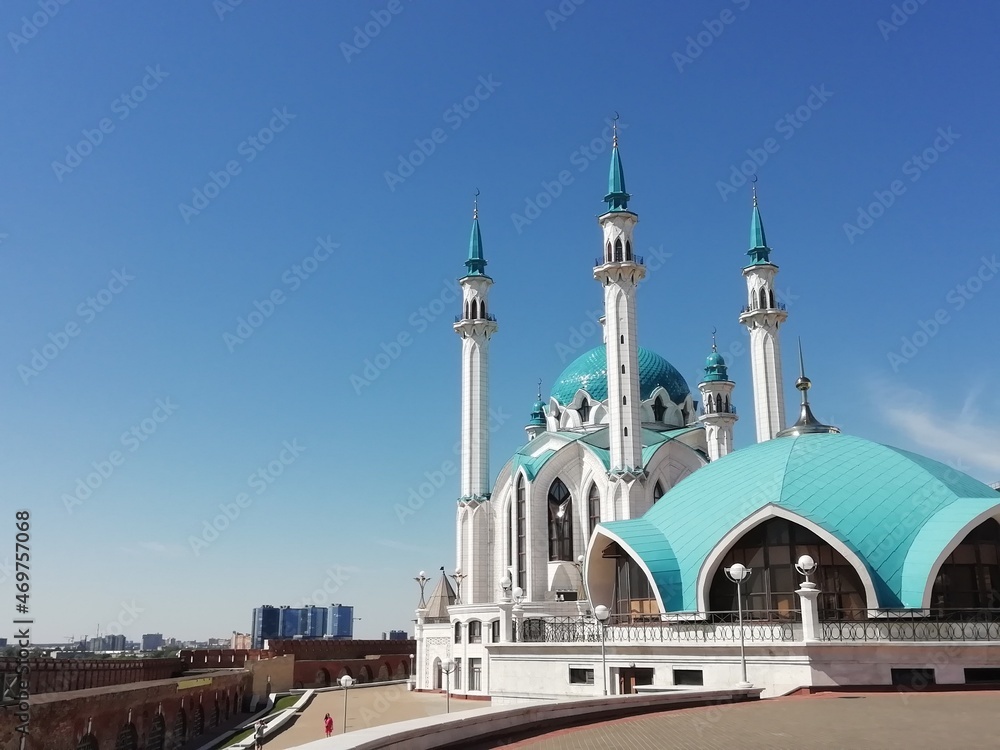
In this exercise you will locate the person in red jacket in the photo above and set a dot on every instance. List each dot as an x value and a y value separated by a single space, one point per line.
328 725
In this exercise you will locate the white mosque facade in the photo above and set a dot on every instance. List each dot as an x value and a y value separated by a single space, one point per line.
602 556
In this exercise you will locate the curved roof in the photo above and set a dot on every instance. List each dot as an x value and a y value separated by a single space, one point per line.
589 371
895 509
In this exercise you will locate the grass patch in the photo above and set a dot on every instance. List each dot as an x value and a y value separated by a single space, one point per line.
287 702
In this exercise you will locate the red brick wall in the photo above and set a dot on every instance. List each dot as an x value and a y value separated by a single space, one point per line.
326 672
318 648
58 675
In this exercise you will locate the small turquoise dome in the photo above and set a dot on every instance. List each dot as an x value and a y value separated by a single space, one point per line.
589 371
715 368
896 510
537 414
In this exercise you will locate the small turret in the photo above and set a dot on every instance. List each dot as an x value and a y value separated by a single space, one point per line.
718 414
536 424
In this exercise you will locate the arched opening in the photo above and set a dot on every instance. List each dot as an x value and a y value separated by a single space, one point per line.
628 250
179 733
345 672
198 721
763 298
623 369
622 338
607 254
402 671
466 308
128 738
969 578
475 631
383 672
659 410
594 507
87 742
323 677
213 716
657 492
729 407
770 297
458 632
560 504
157 733
521 526
718 402
437 672
625 432
584 411
364 674
771 551
618 250
624 400
633 597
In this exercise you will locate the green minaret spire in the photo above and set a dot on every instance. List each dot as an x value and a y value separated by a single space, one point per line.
759 251
476 262
617 197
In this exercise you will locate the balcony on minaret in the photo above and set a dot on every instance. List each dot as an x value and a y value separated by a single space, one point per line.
718 405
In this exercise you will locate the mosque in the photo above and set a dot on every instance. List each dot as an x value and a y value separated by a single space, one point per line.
626 546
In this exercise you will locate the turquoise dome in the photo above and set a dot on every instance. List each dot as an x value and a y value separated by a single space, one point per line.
590 372
538 414
715 368
896 510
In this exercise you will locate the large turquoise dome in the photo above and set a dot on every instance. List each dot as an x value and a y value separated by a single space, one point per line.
590 372
894 509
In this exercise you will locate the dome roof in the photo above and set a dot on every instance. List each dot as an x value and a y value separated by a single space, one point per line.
589 371
894 509
715 368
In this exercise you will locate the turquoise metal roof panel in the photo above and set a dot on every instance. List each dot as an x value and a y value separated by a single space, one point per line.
649 544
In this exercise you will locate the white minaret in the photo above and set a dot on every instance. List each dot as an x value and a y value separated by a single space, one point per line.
763 316
620 274
476 325
718 414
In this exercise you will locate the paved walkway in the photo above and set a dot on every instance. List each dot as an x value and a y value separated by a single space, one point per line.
366 707
873 721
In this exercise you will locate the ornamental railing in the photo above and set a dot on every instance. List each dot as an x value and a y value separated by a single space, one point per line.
620 259
489 316
934 625
714 627
747 308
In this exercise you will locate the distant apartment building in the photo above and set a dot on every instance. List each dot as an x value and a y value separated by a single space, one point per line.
152 641
240 641
335 621
398 635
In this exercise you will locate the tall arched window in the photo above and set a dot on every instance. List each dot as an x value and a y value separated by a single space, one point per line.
771 550
718 402
521 527
467 309
157 734
763 298
659 410
560 522
609 251
618 250
128 738
628 250
584 411
657 491
87 742
770 297
458 632
970 576
180 727
594 507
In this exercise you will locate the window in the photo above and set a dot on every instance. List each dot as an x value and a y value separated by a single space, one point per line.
618 250
579 676
763 298
495 631
458 632
657 492
560 522
594 507
623 338
689 677
659 410
628 250
475 631
970 576
584 411
633 595
623 369
917 679
626 432
458 674
522 553
771 551
475 674
982 675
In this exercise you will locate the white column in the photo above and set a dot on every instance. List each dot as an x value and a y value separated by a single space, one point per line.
763 322
811 629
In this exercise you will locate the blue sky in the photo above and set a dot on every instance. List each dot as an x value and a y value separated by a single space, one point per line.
266 157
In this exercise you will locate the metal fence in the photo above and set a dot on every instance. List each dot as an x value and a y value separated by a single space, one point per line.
714 627
936 625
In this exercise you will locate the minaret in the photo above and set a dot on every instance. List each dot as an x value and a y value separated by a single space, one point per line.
476 326
620 271
536 424
718 414
763 316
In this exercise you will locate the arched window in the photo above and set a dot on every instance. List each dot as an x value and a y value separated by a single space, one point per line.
584 411
560 522
718 402
626 432
609 251
157 733
969 577
618 250
521 526
657 492
770 297
623 338
628 250
633 597
458 632
180 727
475 631
728 406
623 369
467 309
87 742
198 721
624 400
659 410
594 507
128 738
763 298
771 550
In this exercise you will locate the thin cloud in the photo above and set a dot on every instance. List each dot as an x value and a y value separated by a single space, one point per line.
402 546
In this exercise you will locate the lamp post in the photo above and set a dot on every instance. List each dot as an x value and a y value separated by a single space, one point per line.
579 569
448 667
422 580
505 584
458 576
809 594
737 573
603 614
345 682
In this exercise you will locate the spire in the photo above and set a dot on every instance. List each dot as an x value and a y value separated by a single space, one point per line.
807 424
476 263
759 251
617 197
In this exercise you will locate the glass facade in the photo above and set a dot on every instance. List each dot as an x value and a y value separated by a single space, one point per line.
970 576
335 621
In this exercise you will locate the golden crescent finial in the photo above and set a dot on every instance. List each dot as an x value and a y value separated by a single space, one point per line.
475 205
614 129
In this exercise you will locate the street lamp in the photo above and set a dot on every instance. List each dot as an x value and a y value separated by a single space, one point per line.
737 573
448 667
579 569
806 566
603 615
345 682
458 576
505 584
422 580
